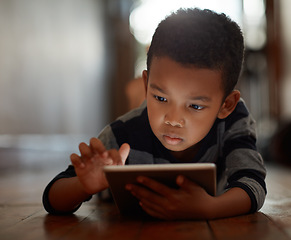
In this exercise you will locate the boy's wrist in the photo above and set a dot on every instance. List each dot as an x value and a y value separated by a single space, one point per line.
210 208
81 190
87 191
231 203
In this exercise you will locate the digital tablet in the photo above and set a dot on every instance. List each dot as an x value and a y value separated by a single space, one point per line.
203 174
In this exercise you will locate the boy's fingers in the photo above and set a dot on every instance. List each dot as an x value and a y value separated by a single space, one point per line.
97 146
76 160
124 151
185 183
115 156
85 150
155 186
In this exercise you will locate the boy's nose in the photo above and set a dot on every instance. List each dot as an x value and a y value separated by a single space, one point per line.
174 119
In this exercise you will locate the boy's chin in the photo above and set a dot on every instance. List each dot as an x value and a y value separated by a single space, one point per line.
183 149
174 148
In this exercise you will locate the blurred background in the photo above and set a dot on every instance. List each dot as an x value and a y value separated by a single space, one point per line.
67 67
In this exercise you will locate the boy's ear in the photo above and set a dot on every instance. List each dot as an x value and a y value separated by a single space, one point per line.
229 104
145 80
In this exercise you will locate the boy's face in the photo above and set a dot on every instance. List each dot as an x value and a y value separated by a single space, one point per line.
183 102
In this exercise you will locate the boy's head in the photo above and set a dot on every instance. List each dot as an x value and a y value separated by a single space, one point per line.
201 38
194 62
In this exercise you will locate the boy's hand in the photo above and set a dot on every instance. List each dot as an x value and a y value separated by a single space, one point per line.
190 201
89 166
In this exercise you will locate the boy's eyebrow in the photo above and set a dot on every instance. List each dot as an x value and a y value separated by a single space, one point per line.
152 85
201 98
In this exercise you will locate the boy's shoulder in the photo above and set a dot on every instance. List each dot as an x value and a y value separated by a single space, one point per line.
240 122
132 127
133 121
240 109
137 112
240 112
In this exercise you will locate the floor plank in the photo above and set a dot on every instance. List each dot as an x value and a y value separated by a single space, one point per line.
252 227
106 223
278 202
41 225
12 215
176 230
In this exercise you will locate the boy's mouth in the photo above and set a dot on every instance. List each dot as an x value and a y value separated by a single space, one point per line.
172 140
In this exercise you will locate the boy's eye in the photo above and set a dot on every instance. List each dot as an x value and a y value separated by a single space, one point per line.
196 107
160 99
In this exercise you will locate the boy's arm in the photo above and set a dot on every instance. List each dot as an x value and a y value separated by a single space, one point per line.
66 195
190 201
241 165
69 173
232 203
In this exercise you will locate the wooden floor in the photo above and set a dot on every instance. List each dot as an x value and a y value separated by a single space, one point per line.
24 174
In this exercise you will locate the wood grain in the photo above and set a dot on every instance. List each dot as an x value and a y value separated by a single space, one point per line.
23 217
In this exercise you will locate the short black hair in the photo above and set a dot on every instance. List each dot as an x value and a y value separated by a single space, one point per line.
201 38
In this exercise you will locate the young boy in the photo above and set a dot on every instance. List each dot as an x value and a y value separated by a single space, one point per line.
192 114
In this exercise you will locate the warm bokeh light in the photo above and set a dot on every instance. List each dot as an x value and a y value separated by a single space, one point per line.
147 15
